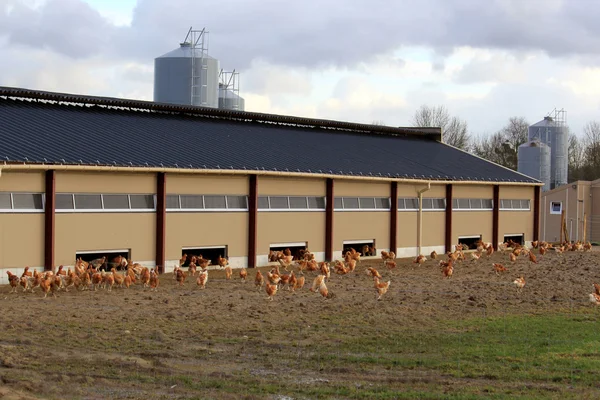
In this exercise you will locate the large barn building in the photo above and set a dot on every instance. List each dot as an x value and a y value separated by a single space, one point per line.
85 176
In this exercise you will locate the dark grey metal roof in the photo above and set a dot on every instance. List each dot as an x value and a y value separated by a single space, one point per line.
99 131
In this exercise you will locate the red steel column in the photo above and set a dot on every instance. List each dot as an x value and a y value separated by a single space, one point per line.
161 219
49 220
496 217
329 221
252 219
536 213
448 217
393 216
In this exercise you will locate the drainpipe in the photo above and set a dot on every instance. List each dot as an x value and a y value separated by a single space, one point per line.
420 217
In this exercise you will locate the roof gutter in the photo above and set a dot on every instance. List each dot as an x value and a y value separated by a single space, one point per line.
108 168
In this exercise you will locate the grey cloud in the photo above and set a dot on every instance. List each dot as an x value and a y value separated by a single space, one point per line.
311 33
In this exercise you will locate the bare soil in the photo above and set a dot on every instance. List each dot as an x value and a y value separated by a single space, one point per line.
229 341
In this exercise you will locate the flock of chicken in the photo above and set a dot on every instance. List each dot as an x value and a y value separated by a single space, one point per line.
94 275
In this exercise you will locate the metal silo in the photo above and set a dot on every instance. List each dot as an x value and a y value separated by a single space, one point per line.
534 160
229 91
188 75
553 131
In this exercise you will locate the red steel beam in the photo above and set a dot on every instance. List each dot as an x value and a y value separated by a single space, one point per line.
329 221
393 216
536 213
161 219
496 217
50 220
448 217
252 219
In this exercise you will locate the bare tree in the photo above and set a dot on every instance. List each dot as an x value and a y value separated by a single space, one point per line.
591 150
502 147
454 130
576 158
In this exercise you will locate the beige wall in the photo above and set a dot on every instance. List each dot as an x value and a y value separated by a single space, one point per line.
33 182
186 229
105 231
358 225
434 228
21 240
473 191
270 186
471 223
594 220
288 227
361 189
206 184
105 182
436 191
407 229
515 223
551 222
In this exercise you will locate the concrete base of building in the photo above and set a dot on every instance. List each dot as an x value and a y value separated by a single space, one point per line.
405 252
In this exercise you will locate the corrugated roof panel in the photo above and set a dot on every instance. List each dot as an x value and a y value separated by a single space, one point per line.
39 131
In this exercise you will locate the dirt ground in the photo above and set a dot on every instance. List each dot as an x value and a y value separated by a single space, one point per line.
181 342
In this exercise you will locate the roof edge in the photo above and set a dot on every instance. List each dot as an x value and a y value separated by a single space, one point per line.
431 133
108 168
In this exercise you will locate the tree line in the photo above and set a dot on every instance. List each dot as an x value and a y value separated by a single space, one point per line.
502 146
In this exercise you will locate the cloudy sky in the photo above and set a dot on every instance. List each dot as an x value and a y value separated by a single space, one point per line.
354 60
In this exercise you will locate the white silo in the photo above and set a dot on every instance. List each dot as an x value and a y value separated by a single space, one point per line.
534 159
553 131
188 75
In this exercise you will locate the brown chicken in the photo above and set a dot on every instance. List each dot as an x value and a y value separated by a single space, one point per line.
228 272
119 278
180 276
323 291
372 272
259 280
388 255
390 265
299 284
243 274
595 298
381 287
519 283
13 280
448 270
433 255
532 258
498 268
324 268
271 291
154 281
597 288
512 257
222 261
202 279
420 259
27 272
317 282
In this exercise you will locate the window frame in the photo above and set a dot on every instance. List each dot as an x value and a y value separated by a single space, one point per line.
560 207
504 205
14 210
456 204
204 209
362 199
290 209
105 210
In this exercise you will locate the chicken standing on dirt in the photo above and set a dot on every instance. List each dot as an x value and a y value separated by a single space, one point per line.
243 274
13 280
381 287
202 279
271 291
519 283
259 280
499 268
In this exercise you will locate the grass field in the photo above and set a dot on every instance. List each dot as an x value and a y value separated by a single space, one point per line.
468 337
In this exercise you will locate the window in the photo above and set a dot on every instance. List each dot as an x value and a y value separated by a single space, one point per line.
5 202
141 201
116 201
555 207
361 203
350 203
298 202
434 204
212 202
88 202
215 202
291 203
472 204
191 201
173 201
279 202
237 202
21 202
28 201
64 201
316 203
113 202
515 204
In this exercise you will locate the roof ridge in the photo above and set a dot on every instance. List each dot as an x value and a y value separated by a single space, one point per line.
245 116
